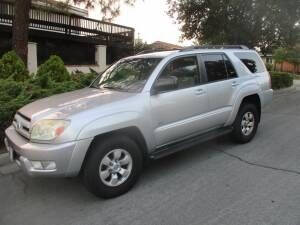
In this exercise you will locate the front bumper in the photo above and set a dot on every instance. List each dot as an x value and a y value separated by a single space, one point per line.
68 157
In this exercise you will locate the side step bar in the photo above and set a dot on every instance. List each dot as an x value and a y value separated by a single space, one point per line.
166 150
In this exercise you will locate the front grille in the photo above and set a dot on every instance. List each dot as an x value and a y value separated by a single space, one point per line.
23 116
22 125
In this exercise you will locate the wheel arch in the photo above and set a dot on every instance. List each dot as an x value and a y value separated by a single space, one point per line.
132 132
254 99
250 97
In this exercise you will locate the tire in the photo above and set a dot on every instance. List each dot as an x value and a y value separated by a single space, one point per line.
243 130
106 180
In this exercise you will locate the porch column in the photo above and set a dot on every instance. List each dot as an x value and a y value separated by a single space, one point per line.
100 56
32 57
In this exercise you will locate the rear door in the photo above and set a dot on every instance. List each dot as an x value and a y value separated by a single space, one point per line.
221 83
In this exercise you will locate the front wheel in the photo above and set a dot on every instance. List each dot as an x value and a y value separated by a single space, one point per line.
113 166
246 123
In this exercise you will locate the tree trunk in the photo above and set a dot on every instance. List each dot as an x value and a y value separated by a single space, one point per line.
21 28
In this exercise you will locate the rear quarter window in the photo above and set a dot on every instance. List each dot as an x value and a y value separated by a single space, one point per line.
252 61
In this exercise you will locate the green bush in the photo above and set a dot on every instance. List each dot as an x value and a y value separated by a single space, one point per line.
84 79
17 88
281 80
55 69
269 66
11 66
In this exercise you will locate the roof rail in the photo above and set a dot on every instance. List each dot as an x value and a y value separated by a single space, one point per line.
156 50
215 47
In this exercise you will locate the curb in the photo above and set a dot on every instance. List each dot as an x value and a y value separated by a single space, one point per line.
284 90
6 166
4 159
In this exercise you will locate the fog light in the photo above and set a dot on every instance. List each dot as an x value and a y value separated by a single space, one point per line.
37 165
49 165
43 165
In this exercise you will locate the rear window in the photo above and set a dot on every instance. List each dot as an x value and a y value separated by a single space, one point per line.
252 61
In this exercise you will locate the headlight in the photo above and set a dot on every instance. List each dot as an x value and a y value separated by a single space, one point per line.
47 130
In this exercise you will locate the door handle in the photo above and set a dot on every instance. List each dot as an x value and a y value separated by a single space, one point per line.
200 92
234 84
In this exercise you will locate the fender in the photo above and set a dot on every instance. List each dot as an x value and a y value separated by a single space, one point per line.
113 122
244 91
102 125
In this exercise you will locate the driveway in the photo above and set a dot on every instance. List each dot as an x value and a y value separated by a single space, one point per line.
217 182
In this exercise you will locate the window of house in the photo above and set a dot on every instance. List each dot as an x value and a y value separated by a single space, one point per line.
183 71
215 67
251 61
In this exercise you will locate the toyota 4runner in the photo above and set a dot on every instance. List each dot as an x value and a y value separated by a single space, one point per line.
144 106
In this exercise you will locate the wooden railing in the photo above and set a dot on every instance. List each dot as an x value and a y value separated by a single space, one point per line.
69 24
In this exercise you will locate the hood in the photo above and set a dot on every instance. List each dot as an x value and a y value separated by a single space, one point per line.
63 105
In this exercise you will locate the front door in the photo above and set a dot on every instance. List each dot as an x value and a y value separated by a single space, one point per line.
177 112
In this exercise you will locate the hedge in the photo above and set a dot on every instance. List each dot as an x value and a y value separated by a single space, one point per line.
17 88
281 80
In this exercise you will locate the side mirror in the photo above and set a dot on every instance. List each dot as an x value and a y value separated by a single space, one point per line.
164 84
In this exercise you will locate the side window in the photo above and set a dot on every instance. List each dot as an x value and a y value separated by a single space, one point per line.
178 74
215 67
251 61
229 67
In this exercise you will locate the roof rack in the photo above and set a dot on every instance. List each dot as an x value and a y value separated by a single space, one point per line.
156 50
215 47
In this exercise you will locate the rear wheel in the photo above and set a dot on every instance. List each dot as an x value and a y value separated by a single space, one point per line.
113 166
246 123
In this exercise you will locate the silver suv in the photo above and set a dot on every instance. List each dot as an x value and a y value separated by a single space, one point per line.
144 106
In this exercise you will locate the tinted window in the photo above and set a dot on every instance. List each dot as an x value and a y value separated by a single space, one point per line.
215 67
127 75
251 61
229 67
182 72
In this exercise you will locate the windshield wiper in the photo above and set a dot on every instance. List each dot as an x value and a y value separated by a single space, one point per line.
93 86
113 88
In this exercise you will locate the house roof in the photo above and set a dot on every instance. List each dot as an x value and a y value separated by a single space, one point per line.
164 46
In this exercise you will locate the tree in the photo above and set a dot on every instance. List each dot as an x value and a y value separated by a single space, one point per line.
109 10
265 24
290 55
280 56
140 45
20 28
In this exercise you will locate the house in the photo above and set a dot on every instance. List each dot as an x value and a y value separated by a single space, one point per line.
164 46
81 42
268 59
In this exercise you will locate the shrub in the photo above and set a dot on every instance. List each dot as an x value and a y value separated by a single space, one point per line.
281 80
65 87
84 79
54 69
10 88
18 89
269 66
11 66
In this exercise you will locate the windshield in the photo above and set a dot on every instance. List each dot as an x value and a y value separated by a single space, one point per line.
127 75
